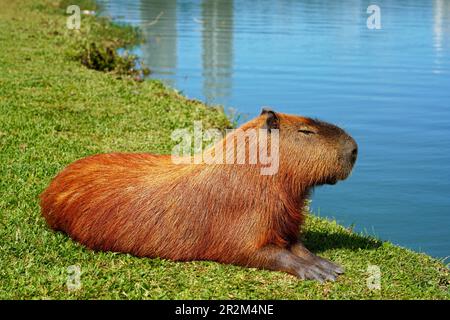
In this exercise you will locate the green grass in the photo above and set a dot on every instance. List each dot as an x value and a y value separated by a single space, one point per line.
53 110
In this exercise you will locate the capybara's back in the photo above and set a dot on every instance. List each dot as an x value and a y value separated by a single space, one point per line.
147 205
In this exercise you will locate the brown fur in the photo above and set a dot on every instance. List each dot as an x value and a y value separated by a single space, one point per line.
146 205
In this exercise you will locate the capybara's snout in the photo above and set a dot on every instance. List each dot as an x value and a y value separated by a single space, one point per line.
349 149
349 154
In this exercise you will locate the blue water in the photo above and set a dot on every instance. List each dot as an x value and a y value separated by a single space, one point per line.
389 87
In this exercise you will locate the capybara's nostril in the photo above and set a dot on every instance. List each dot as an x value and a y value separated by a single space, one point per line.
354 155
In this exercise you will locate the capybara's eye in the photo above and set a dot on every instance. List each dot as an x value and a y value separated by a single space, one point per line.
307 132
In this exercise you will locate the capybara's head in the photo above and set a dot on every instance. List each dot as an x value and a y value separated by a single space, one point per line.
320 152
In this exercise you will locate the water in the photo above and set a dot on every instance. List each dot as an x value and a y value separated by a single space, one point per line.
390 88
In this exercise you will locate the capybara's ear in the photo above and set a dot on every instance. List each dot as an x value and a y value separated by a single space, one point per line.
272 120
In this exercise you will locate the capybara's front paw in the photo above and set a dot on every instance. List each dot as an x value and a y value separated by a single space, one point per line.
329 266
315 272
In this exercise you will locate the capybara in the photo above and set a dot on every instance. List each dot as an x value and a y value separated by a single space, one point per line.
148 206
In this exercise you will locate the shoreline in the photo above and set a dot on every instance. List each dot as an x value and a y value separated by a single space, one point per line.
55 110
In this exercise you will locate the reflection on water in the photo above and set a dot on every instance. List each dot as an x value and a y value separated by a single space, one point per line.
441 28
159 26
389 88
217 55
159 23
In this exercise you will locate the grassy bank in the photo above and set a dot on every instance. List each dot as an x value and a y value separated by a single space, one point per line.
54 110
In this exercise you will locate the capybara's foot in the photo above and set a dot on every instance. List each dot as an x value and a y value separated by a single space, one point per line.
327 266
330 266
307 271
280 259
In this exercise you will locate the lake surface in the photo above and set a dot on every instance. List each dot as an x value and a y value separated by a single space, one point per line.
389 88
